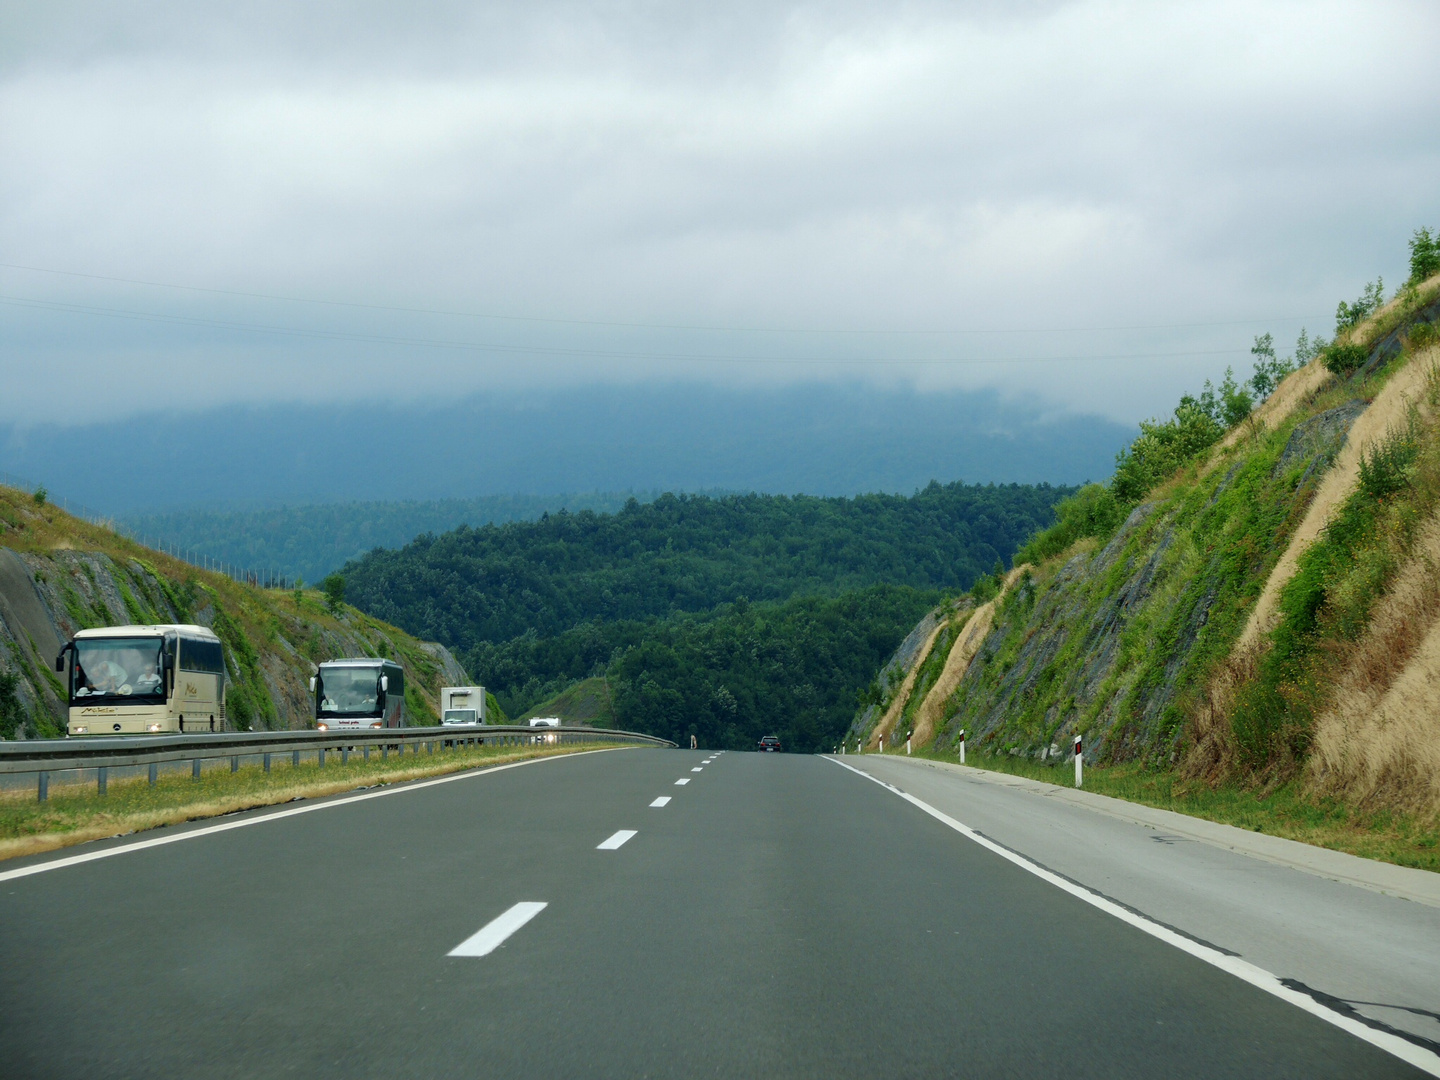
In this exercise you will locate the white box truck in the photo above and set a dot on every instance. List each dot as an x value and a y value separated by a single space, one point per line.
462 705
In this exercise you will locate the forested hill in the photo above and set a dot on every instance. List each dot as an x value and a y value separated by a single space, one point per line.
690 553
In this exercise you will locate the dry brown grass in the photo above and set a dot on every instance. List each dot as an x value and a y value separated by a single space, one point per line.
902 696
967 644
1378 741
1390 409
1294 390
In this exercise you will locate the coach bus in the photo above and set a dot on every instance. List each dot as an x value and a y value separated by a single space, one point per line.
144 680
363 692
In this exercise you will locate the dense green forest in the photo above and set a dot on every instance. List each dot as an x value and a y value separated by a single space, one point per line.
311 540
783 605
690 553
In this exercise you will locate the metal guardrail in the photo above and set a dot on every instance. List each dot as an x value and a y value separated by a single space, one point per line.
44 756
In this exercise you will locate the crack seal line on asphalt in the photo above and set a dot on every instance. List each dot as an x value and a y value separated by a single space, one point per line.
207 830
1390 1041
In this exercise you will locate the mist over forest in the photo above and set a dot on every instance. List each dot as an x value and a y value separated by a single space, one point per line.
812 439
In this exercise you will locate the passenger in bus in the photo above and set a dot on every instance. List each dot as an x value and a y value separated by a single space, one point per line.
102 677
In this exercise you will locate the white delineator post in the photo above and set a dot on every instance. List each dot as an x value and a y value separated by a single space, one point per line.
962 746
1079 758
907 742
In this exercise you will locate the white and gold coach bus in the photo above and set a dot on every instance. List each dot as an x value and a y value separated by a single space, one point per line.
361 692
144 680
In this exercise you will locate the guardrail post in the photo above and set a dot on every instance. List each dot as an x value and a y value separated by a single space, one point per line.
367 753
385 751
430 746
152 773
294 759
320 757
101 775
344 755
195 768
267 762
235 763
42 791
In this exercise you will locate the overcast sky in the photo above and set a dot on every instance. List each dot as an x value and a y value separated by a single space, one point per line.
1112 198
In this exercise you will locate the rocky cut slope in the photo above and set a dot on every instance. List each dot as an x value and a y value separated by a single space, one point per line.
1271 607
59 574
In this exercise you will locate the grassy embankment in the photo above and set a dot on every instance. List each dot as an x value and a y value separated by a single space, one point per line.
1286 810
76 813
264 629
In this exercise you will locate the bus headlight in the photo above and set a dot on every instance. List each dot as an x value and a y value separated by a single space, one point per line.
80 729
153 727
322 727
377 724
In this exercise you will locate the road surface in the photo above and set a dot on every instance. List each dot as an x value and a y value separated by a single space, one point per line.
779 915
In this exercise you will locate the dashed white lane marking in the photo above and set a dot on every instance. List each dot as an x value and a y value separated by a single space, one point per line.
1421 1058
661 801
493 934
616 841
682 783
697 768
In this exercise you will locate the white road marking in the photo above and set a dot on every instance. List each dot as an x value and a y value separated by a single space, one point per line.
1423 1059
697 768
493 934
208 830
682 783
661 801
616 841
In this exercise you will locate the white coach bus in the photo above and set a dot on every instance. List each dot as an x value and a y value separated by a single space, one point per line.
144 680
363 692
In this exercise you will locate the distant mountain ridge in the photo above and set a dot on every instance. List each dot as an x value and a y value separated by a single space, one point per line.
813 438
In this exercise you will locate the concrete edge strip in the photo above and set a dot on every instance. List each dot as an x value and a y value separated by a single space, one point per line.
1404 882
1258 977
226 826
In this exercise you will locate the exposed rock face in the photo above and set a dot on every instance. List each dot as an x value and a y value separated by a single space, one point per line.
46 598
1111 642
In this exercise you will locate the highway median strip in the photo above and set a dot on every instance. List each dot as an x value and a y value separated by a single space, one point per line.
75 813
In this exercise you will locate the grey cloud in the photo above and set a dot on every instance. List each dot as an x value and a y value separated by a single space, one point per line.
859 165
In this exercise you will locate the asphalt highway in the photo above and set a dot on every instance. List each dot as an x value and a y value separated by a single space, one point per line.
777 916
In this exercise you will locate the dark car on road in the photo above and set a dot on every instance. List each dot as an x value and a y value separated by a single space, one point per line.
769 742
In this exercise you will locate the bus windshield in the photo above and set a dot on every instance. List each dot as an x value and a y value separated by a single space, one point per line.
118 668
350 691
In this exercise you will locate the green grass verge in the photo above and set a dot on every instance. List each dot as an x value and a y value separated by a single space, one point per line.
75 813
1283 810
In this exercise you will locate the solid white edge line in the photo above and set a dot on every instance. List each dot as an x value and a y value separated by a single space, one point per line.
493 934
1258 977
615 840
661 801
209 830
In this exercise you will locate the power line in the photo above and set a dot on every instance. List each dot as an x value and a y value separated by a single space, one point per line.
558 351
643 325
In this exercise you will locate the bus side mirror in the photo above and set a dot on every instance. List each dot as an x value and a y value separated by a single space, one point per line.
60 657
312 684
385 683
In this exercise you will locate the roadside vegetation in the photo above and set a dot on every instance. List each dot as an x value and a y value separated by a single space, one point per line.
1244 621
74 813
